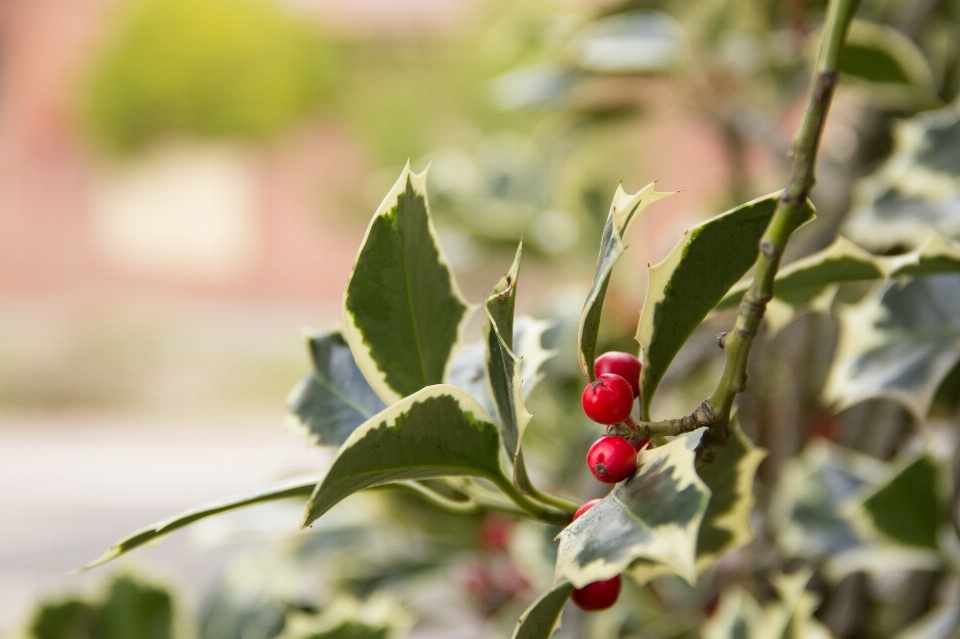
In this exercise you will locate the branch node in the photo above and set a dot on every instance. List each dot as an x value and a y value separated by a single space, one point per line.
722 339
768 248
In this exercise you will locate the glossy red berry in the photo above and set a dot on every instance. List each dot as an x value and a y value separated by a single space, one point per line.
608 400
582 509
643 443
619 363
599 595
611 459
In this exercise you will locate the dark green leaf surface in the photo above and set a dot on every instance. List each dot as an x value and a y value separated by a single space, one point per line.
134 609
402 308
542 618
439 431
654 515
689 283
623 211
72 619
908 509
329 403
302 487
899 346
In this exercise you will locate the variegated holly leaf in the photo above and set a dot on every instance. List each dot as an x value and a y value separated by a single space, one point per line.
542 618
898 345
503 367
300 487
692 279
815 490
655 515
378 618
730 478
738 616
329 403
916 189
792 616
888 66
816 513
843 261
402 309
468 370
907 509
437 432
623 211
726 523
504 370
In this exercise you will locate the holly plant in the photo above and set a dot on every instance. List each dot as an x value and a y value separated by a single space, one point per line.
412 405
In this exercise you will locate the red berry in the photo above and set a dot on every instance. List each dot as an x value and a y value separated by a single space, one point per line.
582 509
619 363
643 443
611 459
599 595
608 400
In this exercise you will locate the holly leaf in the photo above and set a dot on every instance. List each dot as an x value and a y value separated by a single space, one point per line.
693 278
908 508
503 367
916 189
655 515
300 487
380 617
843 261
468 370
730 478
815 490
402 309
792 616
504 370
329 403
888 66
726 523
898 345
623 211
436 432
542 618
738 616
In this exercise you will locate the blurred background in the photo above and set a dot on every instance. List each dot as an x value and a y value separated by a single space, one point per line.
184 185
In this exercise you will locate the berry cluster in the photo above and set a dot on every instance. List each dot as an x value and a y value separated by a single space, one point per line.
609 401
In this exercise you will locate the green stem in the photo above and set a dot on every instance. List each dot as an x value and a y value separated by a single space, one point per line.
536 509
784 222
522 482
459 506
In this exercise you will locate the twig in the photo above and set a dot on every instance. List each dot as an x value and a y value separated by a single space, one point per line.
785 221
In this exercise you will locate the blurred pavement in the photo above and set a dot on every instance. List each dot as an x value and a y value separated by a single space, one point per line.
70 487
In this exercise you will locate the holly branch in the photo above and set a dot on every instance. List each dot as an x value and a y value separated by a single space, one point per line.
714 412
